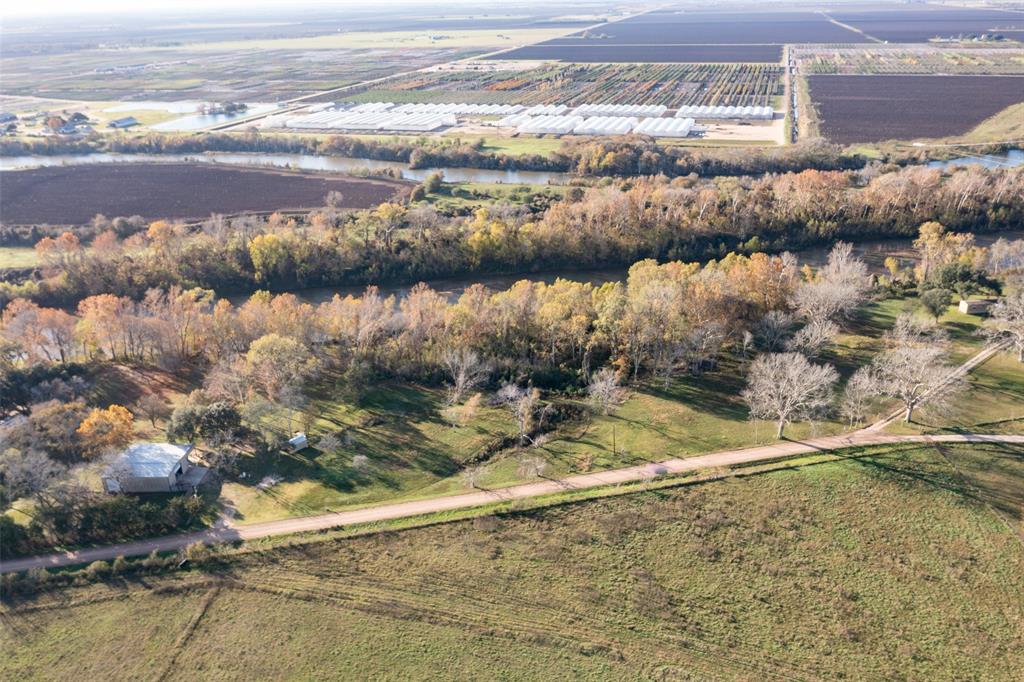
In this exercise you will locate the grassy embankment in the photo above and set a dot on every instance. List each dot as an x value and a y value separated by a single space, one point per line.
890 562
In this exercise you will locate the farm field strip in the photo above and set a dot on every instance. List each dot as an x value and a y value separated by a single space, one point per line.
588 53
913 60
875 108
110 75
174 190
922 24
672 85
718 28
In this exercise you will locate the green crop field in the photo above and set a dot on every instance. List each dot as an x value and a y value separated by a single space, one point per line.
889 562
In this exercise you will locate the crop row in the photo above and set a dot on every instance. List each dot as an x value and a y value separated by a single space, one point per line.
670 84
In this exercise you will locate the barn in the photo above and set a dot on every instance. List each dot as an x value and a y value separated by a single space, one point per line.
154 468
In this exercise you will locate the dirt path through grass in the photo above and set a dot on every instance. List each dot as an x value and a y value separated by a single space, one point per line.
387 512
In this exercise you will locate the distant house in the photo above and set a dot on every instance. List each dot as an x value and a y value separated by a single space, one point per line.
298 442
68 129
154 468
126 122
977 307
7 117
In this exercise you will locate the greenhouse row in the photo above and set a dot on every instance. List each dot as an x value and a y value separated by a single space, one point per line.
547 110
607 125
597 125
764 113
654 110
665 127
479 109
373 120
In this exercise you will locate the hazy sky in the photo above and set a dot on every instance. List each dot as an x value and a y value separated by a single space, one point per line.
69 7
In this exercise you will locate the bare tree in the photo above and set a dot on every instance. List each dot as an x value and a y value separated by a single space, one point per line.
786 387
918 374
772 330
858 395
532 467
472 475
26 474
912 330
1006 322
329 443
841 286
604 390
523 404
702 346
812 339
153 407
466 370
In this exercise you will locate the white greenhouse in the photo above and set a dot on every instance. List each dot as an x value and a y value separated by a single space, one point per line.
724 112
653 110
664 127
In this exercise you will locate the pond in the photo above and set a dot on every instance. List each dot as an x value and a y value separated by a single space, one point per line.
1014 157
203 121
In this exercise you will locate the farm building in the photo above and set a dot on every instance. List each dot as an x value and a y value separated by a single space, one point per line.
126 122
979 307
372 120
154 468
298 442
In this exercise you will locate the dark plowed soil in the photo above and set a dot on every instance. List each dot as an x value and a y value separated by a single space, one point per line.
73 195
875 108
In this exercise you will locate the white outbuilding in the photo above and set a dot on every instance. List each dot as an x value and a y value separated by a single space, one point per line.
153 468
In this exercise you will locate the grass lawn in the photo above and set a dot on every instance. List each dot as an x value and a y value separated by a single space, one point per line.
18 257
890 563
994 403
463 195
398 428
515 146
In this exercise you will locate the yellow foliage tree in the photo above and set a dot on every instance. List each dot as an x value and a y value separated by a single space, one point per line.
105 430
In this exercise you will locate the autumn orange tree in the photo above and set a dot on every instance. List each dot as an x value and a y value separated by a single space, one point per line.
105 430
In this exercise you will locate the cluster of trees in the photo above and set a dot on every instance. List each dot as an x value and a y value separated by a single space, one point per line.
271 352
615 224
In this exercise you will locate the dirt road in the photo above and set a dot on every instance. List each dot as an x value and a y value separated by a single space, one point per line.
228 533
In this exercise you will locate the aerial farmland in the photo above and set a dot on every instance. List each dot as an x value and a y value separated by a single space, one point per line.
589 340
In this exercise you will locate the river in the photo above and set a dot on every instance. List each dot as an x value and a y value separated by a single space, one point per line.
874 252
309 162
342 164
